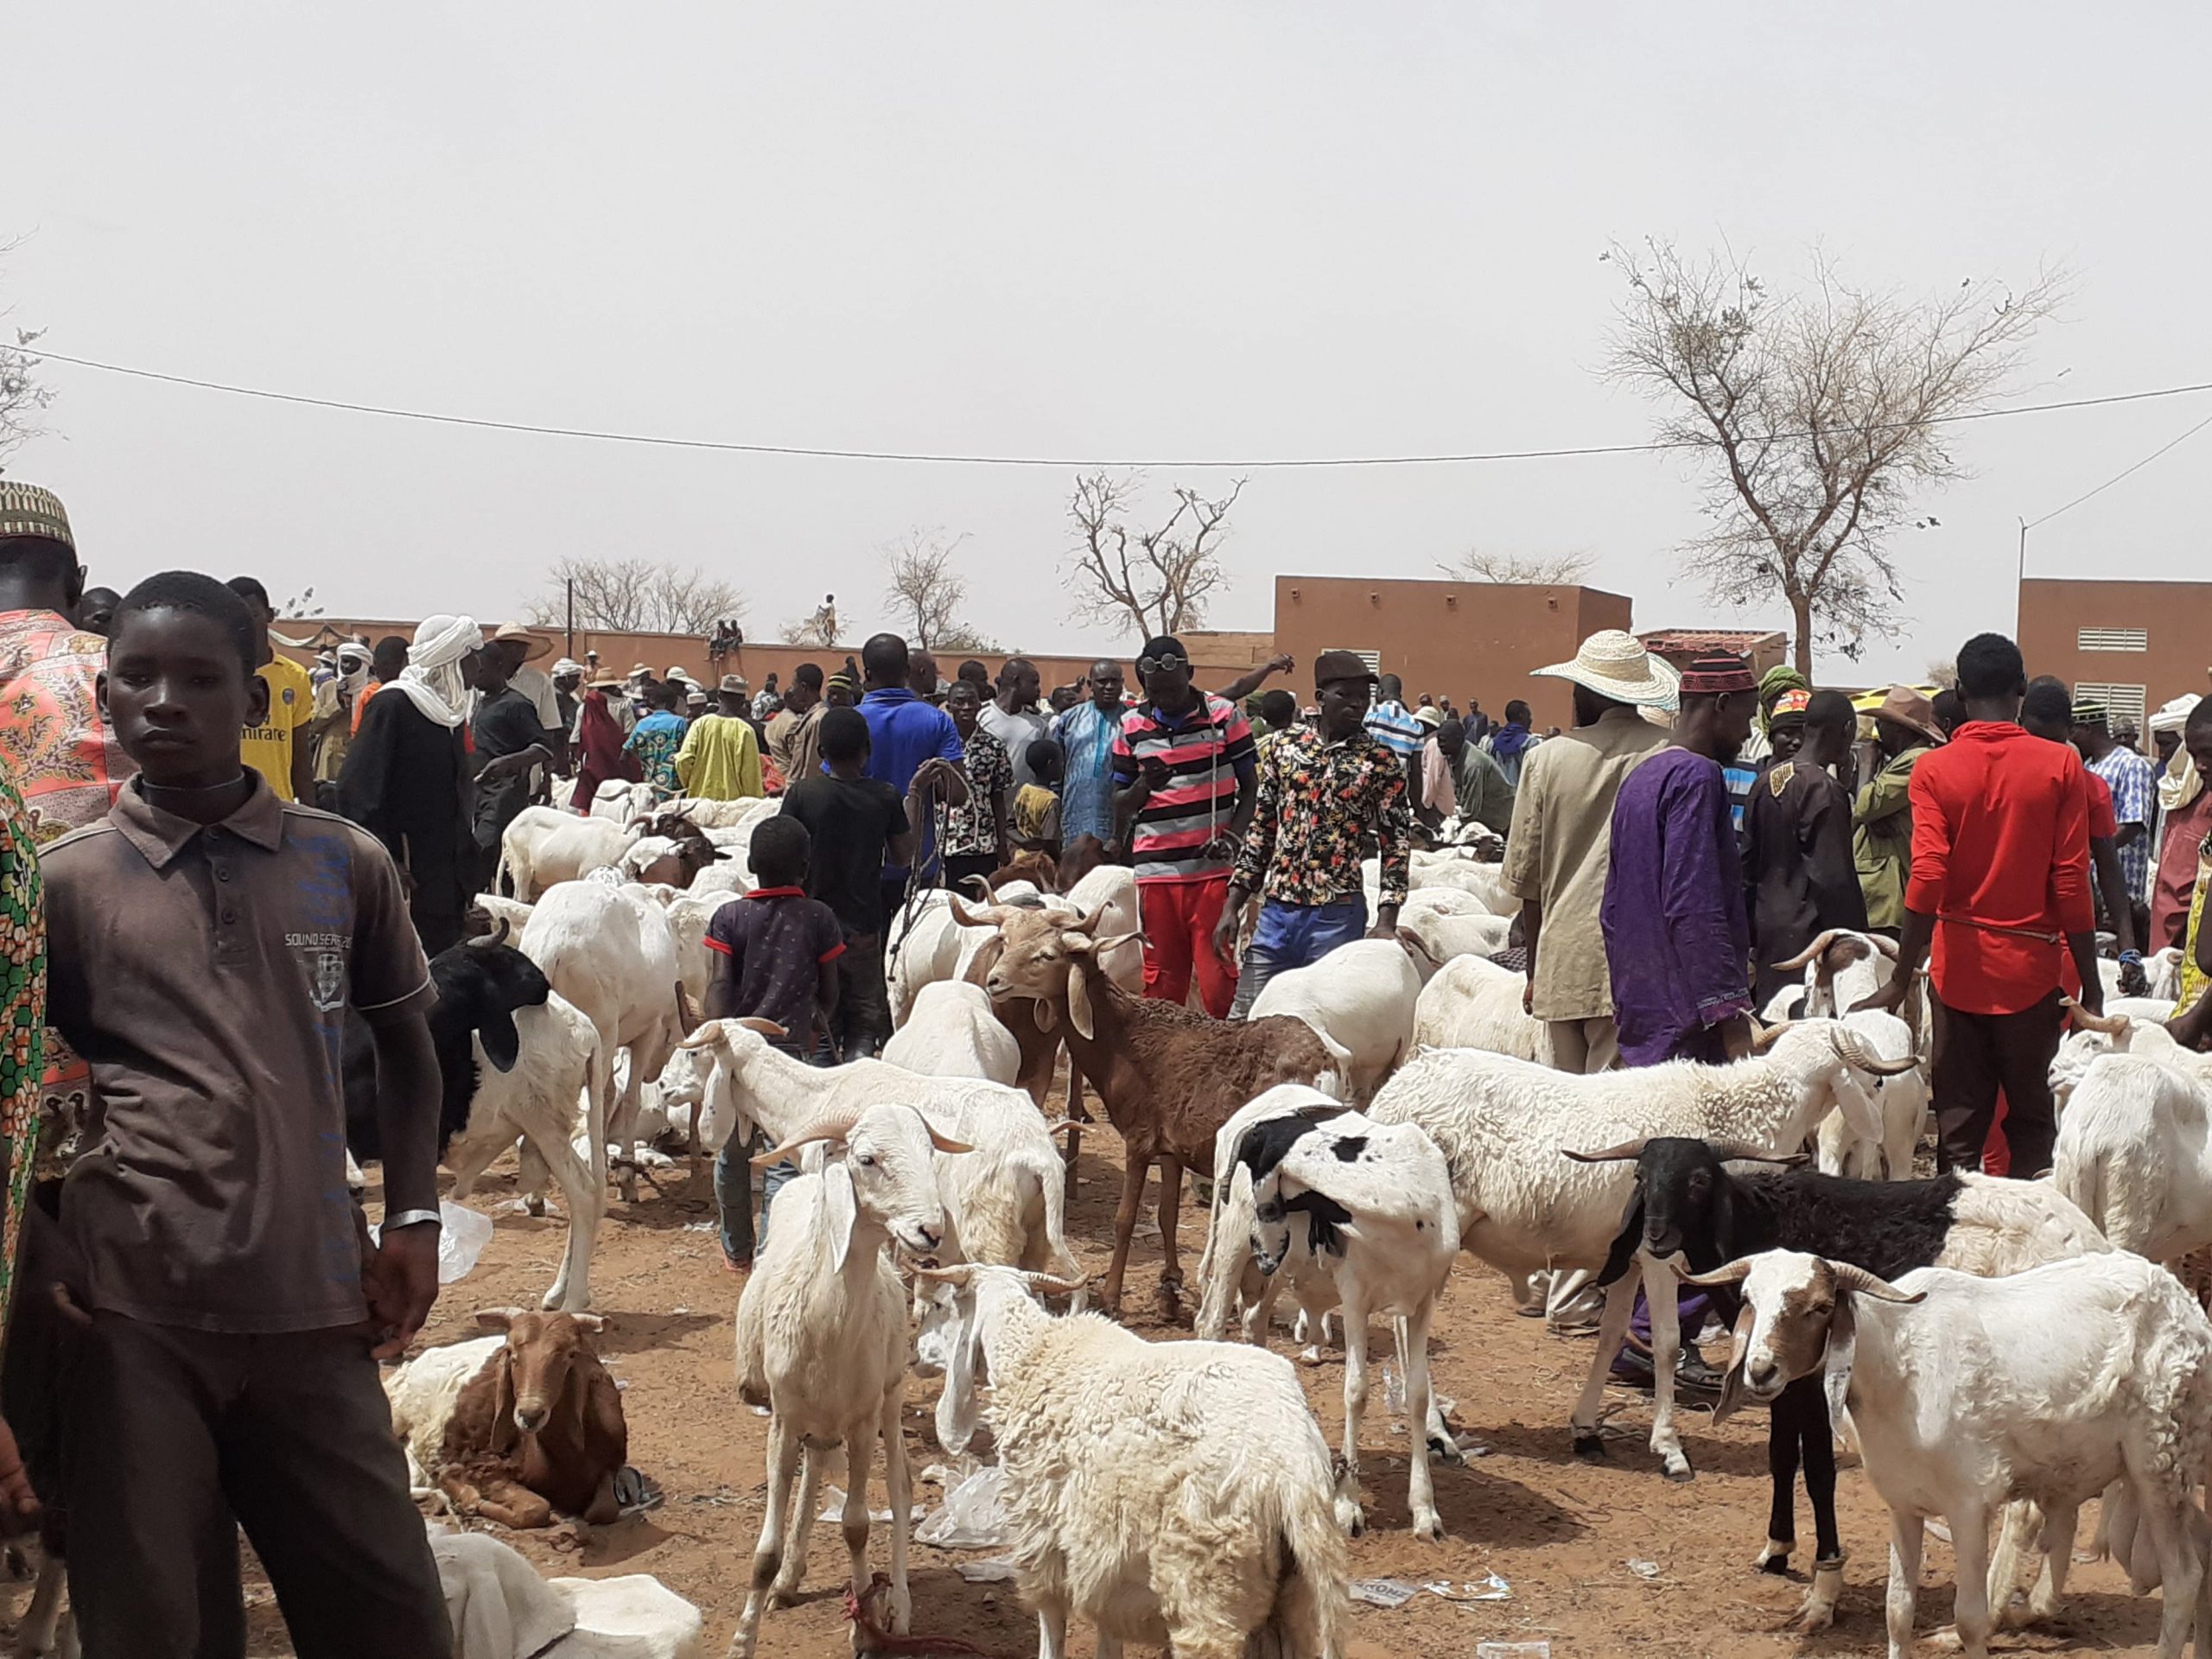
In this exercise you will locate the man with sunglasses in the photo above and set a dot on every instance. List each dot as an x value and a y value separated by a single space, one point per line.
1184 768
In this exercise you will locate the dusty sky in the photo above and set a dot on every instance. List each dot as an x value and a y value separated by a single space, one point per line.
1143 229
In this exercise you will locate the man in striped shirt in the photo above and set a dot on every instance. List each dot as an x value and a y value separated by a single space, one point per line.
1184 767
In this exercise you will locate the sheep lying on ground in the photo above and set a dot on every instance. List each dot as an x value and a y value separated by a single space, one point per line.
1500 1124
1177 1494
1968 1393
518 1427
821 1340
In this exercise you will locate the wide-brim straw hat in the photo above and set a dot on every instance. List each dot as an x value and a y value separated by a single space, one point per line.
1911 709
534 645
1614 665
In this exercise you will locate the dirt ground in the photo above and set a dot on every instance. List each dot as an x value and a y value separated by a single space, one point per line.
1561 1533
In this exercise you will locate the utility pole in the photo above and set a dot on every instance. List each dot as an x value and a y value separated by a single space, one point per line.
569 650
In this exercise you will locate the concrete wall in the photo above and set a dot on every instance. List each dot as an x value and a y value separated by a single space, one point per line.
2175 619
1465 640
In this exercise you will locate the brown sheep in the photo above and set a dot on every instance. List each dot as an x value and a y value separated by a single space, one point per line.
518 1430
1170 1076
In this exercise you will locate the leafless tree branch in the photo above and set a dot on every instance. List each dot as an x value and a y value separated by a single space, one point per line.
925 591
1533 569
1159 580
637 596
24 399
1813 418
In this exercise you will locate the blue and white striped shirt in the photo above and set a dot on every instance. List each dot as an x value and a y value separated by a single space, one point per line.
1392 726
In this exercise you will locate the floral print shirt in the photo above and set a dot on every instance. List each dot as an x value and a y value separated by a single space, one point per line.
23 1020
656 741
57 750
969 829
1319 804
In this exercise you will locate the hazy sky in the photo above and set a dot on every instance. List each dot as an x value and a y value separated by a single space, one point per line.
1136 229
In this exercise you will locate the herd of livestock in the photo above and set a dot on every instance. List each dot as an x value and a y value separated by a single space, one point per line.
2005 1350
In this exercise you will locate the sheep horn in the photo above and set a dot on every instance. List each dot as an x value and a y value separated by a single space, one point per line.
990 916
1851 1276
1885 945
1627 1153
1854 1054
823 1129
1046 1284
2108 1025
1056 1125
1743 1152
1804 958
943 1143
957 1275
768 1029
1732 1274
1765 1039
980 887
492 941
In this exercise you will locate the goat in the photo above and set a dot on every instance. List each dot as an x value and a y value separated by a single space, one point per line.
952 1033
1169 1076
822 1339
1966 1395
1378 1221
1522 1207
1688 1205
518 1427
1359 999
1176 1494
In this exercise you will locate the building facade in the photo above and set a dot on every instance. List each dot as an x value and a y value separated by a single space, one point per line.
2131 645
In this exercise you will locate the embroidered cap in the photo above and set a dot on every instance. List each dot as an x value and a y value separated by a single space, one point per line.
32 509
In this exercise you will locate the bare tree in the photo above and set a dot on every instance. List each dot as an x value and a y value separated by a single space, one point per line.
637 596
23 399
1529 570
926 592
1159 580
1813 417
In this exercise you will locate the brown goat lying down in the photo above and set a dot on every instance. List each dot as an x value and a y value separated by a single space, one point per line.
517 1428
1170 1076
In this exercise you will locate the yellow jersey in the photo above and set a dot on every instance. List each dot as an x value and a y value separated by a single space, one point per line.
268 748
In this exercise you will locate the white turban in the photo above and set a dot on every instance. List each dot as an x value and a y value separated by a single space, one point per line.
2181 784
432 678
353 668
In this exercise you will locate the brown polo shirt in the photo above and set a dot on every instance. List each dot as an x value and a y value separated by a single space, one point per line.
203 974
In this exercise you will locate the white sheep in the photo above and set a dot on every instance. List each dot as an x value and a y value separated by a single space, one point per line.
1177 1494
951 1033
610 952
2090 1036
559 1062
1901 1102
542 847
2134 1149
1436 935
1502 1125
821 1340
1227 1272
1369 1207
1968 1393
512 912
622 802
1474 1003
1359 999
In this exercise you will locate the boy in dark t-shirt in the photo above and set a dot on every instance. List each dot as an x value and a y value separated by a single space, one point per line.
774 955
859 827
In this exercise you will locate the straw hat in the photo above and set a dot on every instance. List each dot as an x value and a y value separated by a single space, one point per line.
534 645
735 682
1429 715
1912 710
1614 664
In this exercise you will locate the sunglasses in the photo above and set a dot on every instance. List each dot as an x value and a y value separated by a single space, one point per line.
1161 665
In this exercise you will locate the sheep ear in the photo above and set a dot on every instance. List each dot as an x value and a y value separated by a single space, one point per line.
504 1434
497 1319
1732 1385
1079 1003
1048 1017
502 1042
1625 1241
1842 1348
594 1322
842 1209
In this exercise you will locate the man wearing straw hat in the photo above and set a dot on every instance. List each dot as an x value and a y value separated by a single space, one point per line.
1556 854
514 648
1881 816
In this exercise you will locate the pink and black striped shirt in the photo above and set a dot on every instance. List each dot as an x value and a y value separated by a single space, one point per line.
1205 752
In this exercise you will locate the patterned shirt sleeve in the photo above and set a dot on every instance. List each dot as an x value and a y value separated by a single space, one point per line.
1394 832
1259 847
2130 793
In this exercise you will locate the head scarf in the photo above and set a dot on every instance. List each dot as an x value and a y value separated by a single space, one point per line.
432 679
353 670
600 753
2182 783
1772 684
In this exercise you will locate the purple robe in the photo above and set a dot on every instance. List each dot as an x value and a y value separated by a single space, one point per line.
1677 945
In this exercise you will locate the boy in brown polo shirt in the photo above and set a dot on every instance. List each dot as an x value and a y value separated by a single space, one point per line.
207 941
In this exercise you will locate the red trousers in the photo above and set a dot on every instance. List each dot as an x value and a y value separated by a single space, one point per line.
1178 922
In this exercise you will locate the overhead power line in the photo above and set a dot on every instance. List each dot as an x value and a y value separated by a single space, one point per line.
2125 473
824 453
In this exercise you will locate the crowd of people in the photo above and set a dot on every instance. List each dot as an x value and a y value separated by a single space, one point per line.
187 934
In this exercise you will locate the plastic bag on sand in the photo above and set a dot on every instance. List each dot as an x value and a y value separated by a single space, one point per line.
462 1235
973 1517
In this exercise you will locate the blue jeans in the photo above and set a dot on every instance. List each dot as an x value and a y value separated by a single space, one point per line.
1295 936
734 1191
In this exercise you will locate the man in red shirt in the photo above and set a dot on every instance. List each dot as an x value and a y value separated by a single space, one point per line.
2000 889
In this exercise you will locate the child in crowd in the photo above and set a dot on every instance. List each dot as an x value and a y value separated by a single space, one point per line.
208 940
774 956
1037 806
859 825
659 737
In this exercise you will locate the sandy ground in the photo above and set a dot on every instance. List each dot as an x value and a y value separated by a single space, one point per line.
1559 1532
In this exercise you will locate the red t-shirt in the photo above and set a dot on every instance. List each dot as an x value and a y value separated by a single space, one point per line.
2001 853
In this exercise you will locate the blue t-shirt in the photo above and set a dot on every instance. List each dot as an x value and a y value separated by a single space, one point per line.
903 731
